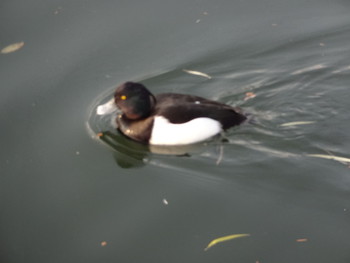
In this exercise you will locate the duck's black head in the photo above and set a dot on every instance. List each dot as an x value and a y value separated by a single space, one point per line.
134 100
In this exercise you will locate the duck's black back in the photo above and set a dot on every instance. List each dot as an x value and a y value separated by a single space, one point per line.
179 108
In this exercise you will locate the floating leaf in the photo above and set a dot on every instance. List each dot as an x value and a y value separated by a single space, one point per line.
249 95
331 157
301 240
224 239
12 48
198 73
295 123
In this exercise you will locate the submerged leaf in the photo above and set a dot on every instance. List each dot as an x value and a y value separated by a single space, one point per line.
12 48
295 123
198 73
331 157
224 239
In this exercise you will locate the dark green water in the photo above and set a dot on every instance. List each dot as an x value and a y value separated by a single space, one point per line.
63 192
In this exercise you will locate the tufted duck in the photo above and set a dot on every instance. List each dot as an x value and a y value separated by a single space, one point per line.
169 118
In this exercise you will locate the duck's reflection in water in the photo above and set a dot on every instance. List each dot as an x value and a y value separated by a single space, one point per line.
131 154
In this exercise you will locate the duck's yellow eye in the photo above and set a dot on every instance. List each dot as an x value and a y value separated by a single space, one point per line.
123 97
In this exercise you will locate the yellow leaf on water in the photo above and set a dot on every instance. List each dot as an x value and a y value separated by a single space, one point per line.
12 48
224 239
198 73
331 157
295 123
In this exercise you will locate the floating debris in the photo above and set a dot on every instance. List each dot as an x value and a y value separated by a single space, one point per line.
295 123
197 73
103 243
249 95
224 239
165 201
199 20
331 157
12 48
300 240
221 154
58 10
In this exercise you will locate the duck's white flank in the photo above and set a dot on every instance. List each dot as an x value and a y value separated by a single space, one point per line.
196 130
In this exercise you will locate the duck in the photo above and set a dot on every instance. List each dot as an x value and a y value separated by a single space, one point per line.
170 118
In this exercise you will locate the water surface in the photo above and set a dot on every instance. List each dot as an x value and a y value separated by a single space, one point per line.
69 197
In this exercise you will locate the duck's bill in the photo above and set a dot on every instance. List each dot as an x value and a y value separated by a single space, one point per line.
107 108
